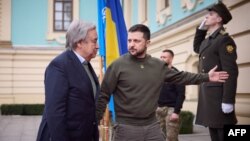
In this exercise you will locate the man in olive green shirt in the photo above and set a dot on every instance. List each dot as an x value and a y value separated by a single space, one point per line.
135 80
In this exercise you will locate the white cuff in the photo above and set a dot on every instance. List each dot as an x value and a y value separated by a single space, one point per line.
202 25
227 108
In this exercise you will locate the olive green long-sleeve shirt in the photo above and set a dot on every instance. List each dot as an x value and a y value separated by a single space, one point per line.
136 84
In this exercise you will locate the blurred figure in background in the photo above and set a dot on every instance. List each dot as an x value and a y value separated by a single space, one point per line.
170 102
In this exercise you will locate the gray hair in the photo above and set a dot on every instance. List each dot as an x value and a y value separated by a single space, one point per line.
76 32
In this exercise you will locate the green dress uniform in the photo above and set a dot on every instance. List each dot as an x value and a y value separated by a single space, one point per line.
217 49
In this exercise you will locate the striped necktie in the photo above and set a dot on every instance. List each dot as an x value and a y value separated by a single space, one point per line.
86 66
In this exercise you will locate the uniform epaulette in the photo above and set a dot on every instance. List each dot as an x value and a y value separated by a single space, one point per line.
223 32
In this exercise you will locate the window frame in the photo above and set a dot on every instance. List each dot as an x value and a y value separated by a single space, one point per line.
63 29
57 36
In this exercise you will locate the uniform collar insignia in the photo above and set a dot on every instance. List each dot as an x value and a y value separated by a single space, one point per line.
223 32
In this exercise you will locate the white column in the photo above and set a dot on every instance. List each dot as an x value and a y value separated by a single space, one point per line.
127 12
5 23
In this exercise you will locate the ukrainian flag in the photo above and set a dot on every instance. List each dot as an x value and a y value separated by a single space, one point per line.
115 33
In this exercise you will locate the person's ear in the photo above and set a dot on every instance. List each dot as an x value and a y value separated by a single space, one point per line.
80 43
148 42
219 19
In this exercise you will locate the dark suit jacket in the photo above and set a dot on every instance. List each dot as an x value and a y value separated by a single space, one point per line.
69 113
218 49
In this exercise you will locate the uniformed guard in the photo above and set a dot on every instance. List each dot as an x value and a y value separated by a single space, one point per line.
216 100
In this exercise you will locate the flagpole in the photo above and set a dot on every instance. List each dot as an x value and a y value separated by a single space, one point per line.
110 22
104 125
101 69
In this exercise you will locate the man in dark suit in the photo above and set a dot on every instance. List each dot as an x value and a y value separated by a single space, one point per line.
71 89
216 100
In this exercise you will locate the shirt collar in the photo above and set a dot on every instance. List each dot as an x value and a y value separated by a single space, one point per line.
81 59
216 32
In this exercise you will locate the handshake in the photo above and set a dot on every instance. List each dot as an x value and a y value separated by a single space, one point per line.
202 25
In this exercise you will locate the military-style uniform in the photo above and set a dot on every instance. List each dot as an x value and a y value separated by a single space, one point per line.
218 49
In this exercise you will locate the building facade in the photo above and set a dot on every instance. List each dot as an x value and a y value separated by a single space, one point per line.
33 32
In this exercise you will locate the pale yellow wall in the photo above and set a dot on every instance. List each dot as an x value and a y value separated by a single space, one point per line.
239 28
22 73
180 40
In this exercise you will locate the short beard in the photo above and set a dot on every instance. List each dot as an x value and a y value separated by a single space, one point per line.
139 53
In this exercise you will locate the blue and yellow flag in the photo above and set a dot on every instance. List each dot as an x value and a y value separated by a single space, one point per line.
116 32
113 30
101 26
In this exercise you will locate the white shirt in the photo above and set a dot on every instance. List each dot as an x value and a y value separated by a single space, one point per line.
81 59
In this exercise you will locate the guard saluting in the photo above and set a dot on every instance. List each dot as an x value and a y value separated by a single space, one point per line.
216 100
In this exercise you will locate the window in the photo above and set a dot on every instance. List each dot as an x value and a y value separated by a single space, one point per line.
59 35
63 14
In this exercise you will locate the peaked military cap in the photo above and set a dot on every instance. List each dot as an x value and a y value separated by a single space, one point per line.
222 10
